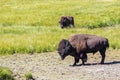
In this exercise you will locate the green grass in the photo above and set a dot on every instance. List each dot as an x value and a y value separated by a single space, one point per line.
6 74
28 76
27 39
88 13
31 26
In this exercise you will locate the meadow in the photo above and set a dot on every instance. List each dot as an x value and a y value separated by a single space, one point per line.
28 26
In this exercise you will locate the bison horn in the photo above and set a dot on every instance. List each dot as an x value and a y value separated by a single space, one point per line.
67 43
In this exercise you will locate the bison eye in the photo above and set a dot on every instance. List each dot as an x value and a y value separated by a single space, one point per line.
63 47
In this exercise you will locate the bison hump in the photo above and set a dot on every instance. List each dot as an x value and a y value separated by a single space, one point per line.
78 43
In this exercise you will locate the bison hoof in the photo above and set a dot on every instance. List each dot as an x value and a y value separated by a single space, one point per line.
85 60
102 63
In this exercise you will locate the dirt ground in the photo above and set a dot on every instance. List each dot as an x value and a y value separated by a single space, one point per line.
49 66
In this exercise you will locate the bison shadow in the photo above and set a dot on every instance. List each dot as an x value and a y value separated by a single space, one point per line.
106 63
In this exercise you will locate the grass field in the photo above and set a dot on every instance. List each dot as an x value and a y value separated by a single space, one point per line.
27 39
87 13
28 26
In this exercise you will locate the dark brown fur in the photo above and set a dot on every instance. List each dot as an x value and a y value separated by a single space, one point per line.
79 45
66 21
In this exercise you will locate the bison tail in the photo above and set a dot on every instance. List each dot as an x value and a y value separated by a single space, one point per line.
107 44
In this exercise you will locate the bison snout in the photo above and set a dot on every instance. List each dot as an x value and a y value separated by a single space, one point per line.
62 57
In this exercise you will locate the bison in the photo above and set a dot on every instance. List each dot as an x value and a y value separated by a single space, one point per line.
66 21
80 44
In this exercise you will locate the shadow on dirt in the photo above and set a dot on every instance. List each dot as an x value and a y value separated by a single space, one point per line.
106 63
114 62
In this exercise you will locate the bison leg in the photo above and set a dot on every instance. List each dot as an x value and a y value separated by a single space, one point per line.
84 58
76 61
102 52
83 62
72 26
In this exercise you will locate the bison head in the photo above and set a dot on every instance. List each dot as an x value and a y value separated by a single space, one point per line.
64 48
64 22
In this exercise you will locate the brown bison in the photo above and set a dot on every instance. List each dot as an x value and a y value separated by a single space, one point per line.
79 45
66 21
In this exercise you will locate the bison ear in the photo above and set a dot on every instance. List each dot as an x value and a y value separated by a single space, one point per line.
67 43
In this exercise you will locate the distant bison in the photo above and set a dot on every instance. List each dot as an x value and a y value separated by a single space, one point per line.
79 45
66 21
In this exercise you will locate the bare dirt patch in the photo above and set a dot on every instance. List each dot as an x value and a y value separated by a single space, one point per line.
49 66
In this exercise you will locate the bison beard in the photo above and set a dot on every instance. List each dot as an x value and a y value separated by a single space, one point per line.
79 45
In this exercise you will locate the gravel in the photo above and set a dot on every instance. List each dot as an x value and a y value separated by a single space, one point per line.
49 66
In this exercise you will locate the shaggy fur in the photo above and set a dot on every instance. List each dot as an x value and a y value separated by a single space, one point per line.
79 45
66 21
